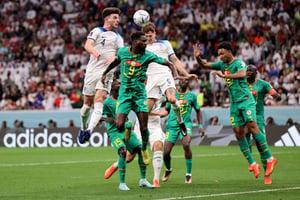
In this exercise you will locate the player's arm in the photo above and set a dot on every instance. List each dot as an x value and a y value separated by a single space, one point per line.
172 67
200 125
110 67
239 75
162 113
202 63
174 59
275 95
109 120
89 47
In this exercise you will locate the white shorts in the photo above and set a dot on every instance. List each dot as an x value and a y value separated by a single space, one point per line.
157 83
155 130
92 82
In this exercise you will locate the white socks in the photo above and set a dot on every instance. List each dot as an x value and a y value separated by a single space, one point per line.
157 164
84 116
176 109
96 116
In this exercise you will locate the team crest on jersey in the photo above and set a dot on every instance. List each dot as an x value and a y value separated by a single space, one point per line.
182 101
133 63
248 112
145 102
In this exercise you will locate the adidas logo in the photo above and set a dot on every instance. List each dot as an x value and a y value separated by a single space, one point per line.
289 139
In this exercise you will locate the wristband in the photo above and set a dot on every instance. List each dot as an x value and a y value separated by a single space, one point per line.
200 126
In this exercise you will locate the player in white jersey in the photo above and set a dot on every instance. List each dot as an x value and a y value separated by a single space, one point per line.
160 81
102 43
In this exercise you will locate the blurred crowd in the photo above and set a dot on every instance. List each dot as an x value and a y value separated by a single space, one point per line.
42 59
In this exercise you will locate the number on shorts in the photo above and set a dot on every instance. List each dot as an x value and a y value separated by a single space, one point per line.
118 142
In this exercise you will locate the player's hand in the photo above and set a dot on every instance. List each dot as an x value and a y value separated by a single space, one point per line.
97 55
218 73
201 132
103 79
109 60
192 76
197 50
179 77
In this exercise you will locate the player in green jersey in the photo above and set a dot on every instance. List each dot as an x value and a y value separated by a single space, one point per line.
242 104
134 61
121 144
188 100
259 88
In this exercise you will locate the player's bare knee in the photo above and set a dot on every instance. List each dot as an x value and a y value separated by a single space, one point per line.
122 152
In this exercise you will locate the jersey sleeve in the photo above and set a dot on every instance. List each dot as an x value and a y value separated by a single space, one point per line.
154 58
242 66
169 48
120 41
217 65
94 34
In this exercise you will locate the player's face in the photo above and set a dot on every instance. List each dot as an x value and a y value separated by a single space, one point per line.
151 37
183 83
251 72
141 43
113 21
225 55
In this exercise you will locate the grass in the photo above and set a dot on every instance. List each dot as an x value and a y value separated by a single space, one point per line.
77 173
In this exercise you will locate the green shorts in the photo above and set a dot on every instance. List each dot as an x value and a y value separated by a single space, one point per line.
118 141
242 112
172 133
135 100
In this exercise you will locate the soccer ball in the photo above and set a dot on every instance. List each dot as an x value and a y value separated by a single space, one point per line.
141 17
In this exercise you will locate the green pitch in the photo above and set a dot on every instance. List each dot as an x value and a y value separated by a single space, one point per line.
77 173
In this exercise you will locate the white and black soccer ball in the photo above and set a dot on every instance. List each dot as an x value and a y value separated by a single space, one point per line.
141 17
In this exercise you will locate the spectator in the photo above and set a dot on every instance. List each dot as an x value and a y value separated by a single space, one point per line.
214 121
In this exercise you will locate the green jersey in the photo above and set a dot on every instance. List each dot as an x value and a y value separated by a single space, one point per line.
238 88
109 110
188 100
259 89
133 67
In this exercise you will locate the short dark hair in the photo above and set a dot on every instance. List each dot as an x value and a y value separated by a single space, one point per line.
110 10
136 35
225 45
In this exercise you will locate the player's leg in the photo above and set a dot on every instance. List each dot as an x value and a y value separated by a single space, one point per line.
114 167
268 179
249 140
175 104
122 167
143 120
100 96
262 142
188 154
167 160
157 161
134 147
88 101
244 146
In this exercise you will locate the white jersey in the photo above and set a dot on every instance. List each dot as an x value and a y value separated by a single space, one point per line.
107 44
161 48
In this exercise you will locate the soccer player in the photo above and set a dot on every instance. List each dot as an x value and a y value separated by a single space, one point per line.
159 77
188 100
121 144
134 61
259 88
242 104
102 43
